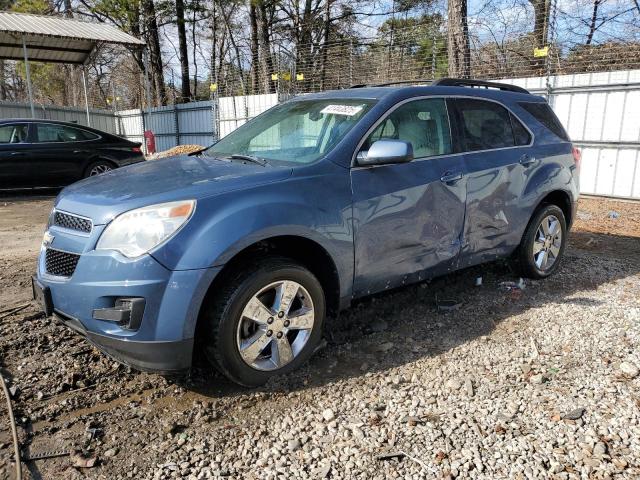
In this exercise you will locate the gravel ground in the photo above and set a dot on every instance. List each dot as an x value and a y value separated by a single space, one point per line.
535 383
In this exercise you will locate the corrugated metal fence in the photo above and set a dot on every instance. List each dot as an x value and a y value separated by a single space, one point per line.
192 123
101 119
599 110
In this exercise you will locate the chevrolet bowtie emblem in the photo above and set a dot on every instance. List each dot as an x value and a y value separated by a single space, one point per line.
47 239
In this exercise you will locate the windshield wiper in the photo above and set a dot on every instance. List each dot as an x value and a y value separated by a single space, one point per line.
249 158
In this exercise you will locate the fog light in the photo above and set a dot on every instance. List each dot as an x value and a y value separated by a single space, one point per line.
126 312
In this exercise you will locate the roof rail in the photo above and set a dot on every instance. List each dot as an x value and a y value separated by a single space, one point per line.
463 82
388 84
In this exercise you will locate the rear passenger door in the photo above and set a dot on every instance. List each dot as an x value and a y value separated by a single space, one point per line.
498 160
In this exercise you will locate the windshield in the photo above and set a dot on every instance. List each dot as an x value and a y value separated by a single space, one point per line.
296 132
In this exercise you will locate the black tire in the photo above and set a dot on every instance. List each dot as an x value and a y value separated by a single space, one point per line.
223 315
98 164
524 254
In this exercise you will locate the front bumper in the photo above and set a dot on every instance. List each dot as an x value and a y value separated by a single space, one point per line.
158 357
172 299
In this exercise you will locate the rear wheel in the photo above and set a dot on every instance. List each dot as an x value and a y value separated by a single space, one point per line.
543 243
267 321
98 168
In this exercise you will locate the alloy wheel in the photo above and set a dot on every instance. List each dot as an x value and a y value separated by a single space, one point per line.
98 169
547 243
275 325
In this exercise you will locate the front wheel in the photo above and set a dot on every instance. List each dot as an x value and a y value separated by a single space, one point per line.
266 321
543 243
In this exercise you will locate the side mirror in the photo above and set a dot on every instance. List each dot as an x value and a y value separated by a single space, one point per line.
385 152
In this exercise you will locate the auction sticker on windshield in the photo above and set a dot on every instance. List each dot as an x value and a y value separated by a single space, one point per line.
348 110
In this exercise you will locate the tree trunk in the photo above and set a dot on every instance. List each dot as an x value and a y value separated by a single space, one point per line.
541 21
325 49
540 30
594 19
253 20
264 40
304 47
236 49
196 8
185 88
3 81
458 33
155 54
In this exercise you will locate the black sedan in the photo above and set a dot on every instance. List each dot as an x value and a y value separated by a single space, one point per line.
47 153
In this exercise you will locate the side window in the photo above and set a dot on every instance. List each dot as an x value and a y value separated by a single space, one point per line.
13 133
520 134
423 123
49 132
542 112
484 125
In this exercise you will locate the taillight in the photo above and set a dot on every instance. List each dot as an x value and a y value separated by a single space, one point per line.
577 156
136 150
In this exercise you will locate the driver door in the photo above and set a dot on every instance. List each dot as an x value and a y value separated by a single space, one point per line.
15 168
408 217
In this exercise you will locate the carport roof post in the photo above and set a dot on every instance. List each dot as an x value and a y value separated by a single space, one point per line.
58 40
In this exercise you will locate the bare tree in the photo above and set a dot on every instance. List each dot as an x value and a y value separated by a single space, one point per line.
185 86
458 36
155 54
255 47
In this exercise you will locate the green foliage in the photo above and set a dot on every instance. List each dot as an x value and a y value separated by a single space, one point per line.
31 6
125 13
420 39
48 80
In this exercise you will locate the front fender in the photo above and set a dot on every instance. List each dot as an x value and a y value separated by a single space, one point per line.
316 207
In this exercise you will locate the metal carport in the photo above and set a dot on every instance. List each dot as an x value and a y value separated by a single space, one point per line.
57 40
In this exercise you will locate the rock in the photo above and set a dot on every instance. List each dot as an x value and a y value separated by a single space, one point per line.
629 369
453 384
294 444
379 325
536 379
79 460
468 387
574 414
328 415
112 452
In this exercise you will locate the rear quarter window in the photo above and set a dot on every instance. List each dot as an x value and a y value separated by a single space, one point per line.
544 114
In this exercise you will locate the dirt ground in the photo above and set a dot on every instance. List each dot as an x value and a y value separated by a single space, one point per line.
395 375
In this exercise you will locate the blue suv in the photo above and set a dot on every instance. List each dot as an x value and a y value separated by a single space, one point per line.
247 246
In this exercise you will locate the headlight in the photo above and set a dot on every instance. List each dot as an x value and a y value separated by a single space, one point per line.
138 231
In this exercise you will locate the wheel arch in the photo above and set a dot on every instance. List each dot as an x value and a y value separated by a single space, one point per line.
303 250
560 198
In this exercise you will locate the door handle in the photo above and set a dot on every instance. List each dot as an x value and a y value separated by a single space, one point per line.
451 177
526 160
17 154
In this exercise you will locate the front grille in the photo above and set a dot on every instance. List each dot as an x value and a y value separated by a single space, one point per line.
59 263
72 222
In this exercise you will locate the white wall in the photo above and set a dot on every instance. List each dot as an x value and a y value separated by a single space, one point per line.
601 114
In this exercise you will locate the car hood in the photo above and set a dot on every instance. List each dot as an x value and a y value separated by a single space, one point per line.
105 196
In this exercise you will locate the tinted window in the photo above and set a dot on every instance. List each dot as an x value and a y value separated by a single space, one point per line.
520 134
48 132
543 113
15 133
423 123
484 125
